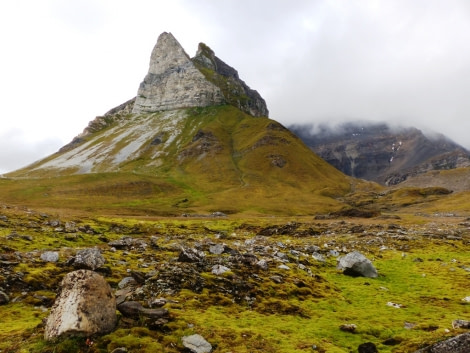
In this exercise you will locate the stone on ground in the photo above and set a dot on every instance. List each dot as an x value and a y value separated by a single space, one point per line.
85 306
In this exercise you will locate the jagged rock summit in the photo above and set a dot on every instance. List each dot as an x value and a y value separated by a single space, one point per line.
175 81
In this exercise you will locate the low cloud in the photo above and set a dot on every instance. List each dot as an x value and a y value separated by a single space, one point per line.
18 151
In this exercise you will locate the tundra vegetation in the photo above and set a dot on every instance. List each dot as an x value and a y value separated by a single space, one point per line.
298 301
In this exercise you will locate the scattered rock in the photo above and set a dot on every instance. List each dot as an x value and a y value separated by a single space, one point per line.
4 299
90 259
219 269
50 256
319 257
126 282
135 310
351 328
217 249
85 306
460 324
457 344
157 302
197 344
262 264
128 243
466 299
190 255
395 305
367 347
356 264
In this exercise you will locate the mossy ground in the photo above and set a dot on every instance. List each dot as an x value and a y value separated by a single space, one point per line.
423 264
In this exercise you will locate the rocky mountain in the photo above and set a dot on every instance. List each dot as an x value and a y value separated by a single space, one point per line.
197 129
381 153
175 81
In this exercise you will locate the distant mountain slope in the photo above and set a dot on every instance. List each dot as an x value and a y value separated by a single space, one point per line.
377 152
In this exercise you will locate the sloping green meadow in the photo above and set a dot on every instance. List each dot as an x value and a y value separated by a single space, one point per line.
423 277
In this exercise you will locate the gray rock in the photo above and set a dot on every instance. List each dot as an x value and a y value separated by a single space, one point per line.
348 328
281 255
457 344
90 259
219 269
276 279
50 256
190 255
460 324
173 81
356 264
85 306
319 257
126 282
197 344
217 249
4 299
262 264
135 310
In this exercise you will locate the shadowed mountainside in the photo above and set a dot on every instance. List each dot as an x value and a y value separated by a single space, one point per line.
378 152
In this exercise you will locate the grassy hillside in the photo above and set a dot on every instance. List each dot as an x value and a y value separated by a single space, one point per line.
195 160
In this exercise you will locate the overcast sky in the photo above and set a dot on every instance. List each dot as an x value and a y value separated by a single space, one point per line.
63 62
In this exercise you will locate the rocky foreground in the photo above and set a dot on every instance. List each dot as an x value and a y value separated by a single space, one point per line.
219 284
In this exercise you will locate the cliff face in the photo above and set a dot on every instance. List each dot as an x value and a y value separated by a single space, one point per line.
235 90
379 153
174 81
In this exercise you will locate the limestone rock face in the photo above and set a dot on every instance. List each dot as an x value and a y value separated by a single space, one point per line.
85 306
173 81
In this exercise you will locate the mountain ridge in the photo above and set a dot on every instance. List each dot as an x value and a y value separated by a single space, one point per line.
381 153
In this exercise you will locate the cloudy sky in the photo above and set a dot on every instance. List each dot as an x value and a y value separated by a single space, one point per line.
64 62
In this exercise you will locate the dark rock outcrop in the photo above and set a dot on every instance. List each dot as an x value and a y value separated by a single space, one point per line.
378 152
235 90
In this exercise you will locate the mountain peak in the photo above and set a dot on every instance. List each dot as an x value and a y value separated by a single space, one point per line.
175 81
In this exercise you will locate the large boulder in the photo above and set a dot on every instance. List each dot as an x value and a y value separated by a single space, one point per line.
85 306
457 344
356 264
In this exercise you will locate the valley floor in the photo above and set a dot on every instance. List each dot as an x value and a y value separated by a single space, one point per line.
280 292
